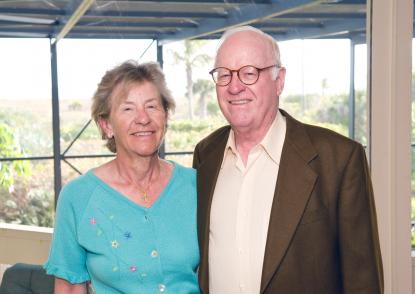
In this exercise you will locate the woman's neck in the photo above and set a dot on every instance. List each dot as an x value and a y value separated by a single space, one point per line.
140 171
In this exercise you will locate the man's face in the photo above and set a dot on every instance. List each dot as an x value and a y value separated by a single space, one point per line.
249 107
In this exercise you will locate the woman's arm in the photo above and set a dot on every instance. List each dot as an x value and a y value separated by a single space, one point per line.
64 287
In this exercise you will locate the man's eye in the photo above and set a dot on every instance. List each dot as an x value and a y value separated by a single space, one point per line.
249 75
224 75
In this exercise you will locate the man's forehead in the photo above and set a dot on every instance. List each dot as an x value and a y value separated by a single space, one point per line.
243 37
245 47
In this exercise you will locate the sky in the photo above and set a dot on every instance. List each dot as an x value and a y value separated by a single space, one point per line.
25 66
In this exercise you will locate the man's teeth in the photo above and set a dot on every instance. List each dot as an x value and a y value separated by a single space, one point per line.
238 102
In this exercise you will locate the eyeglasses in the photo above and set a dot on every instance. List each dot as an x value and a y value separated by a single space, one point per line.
247 74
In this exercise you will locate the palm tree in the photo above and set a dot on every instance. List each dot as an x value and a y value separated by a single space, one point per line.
203 88
191 57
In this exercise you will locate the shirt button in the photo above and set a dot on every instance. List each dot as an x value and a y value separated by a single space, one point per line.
162 287
154 254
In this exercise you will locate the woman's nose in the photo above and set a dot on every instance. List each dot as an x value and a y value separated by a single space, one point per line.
142 117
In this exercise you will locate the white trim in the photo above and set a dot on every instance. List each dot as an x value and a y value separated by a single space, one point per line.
25 244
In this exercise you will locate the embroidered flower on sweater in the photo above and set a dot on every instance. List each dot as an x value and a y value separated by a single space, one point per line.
114 244
127 235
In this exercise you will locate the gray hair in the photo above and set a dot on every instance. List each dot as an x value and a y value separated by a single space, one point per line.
273 42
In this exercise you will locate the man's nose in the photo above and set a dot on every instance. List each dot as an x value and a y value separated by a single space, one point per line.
235 86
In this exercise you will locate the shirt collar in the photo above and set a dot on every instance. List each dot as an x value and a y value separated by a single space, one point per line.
272 143
274 139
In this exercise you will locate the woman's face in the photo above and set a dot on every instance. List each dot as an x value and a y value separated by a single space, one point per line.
137 120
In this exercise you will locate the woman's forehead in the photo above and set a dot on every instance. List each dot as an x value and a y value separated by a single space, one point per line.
123 90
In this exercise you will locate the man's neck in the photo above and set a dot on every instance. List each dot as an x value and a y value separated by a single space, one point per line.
248 138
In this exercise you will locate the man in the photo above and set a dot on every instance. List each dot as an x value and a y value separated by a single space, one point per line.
284 207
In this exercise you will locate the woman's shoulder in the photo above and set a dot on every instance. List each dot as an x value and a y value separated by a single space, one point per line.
79 189
184 170
81 182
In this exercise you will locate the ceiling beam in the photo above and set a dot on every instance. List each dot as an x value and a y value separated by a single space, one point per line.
70 21
25 19
22 35
245 15
117 13
328 29
135 24
325 15
204 1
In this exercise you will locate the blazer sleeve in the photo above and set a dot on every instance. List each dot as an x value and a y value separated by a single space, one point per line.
360 254
196 157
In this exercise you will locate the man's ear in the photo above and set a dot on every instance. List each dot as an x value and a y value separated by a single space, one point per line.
280 80
106 127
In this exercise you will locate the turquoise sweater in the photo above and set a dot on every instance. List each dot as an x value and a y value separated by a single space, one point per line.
122 247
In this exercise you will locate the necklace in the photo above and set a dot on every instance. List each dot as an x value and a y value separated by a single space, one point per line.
145 197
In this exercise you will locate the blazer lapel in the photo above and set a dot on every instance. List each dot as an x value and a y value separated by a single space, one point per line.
295 183
207 175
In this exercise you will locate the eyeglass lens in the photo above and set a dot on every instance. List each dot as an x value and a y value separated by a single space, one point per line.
247 75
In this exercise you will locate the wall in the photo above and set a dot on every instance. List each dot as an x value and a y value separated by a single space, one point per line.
24 244
390 28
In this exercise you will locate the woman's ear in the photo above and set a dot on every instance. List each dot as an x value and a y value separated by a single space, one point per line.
106 126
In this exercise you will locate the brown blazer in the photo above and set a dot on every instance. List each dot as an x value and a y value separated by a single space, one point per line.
322 235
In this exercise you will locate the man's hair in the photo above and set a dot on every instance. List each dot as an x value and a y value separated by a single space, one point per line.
117 82
273 42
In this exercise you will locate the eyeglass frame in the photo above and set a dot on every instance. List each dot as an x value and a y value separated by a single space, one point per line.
237 73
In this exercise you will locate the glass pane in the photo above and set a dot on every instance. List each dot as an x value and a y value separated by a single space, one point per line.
26 193
25 95
73 167
197 112
26 187
316 89
81 64
360 82
185 160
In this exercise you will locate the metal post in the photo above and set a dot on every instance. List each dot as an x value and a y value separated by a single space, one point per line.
352 98
55 122
162 150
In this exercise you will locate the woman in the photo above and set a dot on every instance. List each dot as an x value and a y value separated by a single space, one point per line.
128 226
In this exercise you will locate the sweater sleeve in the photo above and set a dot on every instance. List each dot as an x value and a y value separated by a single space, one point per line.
67 258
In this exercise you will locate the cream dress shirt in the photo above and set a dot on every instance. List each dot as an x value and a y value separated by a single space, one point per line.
240 213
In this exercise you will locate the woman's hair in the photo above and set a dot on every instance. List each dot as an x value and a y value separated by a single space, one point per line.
118 80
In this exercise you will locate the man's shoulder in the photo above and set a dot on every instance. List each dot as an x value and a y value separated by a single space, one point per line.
319 133
322 139
214 138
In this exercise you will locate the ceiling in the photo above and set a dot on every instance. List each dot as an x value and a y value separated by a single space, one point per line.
169 20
